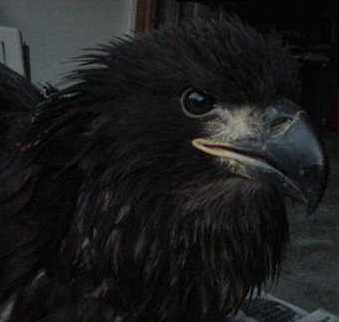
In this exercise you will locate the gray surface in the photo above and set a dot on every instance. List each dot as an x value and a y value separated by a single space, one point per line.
56 30
310 277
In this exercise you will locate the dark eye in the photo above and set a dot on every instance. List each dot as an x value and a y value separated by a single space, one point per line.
195 103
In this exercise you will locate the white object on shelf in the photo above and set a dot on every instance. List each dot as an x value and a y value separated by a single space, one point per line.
320 316
272 309
11 49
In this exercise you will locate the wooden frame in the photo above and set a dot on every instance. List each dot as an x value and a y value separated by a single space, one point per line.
145 15
151 14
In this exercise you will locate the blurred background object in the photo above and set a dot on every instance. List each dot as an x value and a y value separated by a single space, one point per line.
13 51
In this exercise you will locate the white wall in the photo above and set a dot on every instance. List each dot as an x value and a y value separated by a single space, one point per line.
57 30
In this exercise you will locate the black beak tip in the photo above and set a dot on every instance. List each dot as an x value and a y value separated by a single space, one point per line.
312 206
315 188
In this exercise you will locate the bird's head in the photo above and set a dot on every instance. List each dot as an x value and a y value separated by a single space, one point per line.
198 142
221 88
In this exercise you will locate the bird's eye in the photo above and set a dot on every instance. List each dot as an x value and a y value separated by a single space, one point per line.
280 124
195 103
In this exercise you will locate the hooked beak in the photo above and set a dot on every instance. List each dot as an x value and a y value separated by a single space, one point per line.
292 159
